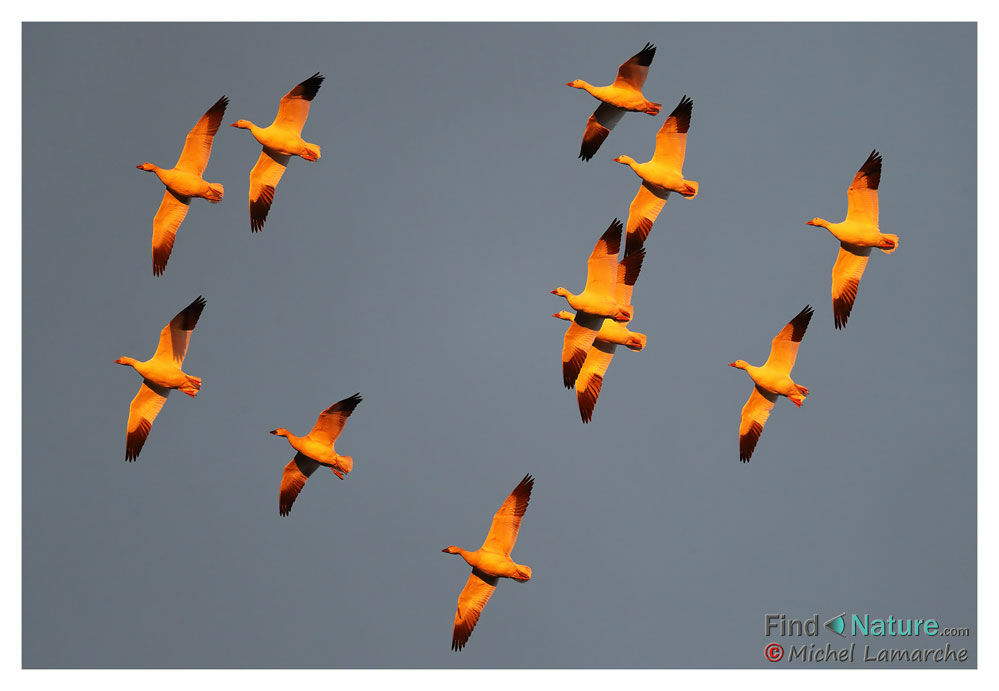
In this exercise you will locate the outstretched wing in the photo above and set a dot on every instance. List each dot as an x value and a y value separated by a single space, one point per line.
846 275
264 177
601 267
754 416
784 347
671 140
642 213
862 195
175 336
293 110
293 480
598 127
474 596
627 274
506 522
576 343
331 421
635 69
167 220
198 145
142 411
591 377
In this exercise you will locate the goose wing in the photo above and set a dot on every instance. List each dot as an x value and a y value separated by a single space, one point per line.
142 411
754 416
293 110
166 222
264 177
846 274
576 343
198 145
474 596
634 70
591 377
862 195
331 421
506 522
642 213
293 480
601 267
671 140
175 336
784 347
627 274
598 127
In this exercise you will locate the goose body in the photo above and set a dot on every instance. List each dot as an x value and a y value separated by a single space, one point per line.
491 562
315 449
660 175
858 233
183 182
281 140
771 380
625 94
597 298
160 374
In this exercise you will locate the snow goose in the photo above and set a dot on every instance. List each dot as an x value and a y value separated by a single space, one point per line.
597 298
772 379
857 234
184 181
661 175
623 95
160 373
491 562
281 141
315 449
589 343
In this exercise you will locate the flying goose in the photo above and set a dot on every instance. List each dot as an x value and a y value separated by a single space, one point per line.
281 141
623 95
597 298
315 449
857 234
160 373
587 329
661 175
772 379
184 181
491 562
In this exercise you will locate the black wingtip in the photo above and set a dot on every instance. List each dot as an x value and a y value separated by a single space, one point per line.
682 113
645 55
872 169
310 87
800 323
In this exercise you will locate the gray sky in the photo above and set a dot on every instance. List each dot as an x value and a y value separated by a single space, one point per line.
413 264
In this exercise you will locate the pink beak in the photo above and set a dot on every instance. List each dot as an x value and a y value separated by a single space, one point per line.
233 125
809 223
554 292
731 364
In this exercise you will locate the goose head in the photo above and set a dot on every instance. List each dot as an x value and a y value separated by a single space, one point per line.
740 364
146 166
124 360
242 124
562 314
280 431
561 291
451 549
625 160
820 222
577 84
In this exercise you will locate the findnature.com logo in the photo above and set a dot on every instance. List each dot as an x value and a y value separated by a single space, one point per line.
866 625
